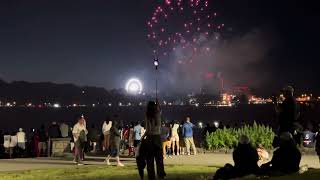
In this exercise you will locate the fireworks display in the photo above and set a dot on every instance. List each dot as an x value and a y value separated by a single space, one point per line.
184 27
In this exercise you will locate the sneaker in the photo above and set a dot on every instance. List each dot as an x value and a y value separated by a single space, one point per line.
120 164
80 164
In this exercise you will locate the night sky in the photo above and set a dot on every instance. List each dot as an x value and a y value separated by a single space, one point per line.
103 42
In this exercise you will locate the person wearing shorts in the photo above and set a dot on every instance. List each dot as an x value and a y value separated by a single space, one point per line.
114 144
175 138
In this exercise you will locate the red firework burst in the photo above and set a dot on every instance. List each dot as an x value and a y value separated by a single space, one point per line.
182 24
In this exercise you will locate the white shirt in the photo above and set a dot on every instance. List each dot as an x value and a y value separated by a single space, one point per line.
6 142
106 127
77 128
13 141
175 130
21 136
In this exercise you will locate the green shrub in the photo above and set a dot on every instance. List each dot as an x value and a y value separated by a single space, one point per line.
228 138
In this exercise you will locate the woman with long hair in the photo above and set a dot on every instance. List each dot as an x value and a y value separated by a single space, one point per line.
153 140
114 143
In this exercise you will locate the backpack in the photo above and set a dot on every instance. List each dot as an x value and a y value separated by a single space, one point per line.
83 137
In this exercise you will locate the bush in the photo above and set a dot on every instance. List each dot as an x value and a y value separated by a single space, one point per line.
228 138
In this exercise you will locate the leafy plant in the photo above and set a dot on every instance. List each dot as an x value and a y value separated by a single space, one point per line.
228 138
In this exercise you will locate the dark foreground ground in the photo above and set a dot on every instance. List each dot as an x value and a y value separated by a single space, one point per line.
201 166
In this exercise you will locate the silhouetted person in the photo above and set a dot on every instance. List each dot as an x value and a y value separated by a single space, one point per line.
141 157
43 139
153 140
1 139
93 137
114 143
288 111
286 159
245 158
54 130
318 142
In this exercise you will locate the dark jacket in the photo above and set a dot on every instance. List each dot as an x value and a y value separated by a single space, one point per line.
286 158
93 134
289 115
42 135
114 137
54 131
246 159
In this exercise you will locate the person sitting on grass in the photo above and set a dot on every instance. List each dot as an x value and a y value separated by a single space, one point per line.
286 159
245 159
263 153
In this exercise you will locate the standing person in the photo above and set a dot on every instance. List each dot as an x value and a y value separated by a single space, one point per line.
13 144
175 137
137 131
131 140
124 138
1 144
36 140
288 112
53 132
43 138
93 137
318 142
153 140
21 137
182 145
64 129
187 133
114 143
165 139
6 142
106 133
79 132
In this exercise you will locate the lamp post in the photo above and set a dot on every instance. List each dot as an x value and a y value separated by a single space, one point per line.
156 64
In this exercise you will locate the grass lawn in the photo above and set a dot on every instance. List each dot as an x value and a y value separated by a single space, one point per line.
182 172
